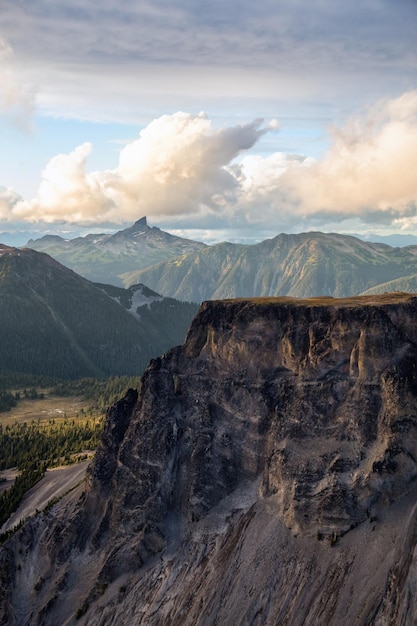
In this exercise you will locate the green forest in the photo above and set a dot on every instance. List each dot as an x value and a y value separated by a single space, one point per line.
10 499
7 401
34 446
24 445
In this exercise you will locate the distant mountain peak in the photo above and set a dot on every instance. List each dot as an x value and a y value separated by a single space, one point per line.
110 257
138 228
6 249
46 239
142 223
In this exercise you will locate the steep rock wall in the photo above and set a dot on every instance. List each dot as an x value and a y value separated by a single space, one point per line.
265 474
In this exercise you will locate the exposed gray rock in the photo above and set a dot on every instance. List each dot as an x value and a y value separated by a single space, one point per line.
265 474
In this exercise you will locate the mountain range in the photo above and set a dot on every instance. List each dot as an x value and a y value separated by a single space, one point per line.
106 258
303 265
55 323
300 265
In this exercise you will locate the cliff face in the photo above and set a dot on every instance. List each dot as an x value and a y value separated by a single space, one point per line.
264 475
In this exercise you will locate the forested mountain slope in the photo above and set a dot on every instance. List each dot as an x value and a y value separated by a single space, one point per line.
55 323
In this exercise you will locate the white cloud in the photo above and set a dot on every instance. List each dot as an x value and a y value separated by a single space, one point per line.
66 192
8 199
368 171
182 170
176 167
367 174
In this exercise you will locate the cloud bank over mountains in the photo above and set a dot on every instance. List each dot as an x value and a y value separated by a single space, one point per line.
86 76
183 169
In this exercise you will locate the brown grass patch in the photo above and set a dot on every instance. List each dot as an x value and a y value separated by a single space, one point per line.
50 407
395 297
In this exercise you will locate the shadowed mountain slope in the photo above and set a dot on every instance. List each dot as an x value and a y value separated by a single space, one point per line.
55 323
407 284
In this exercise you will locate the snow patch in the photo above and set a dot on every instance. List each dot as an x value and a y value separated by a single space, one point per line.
140 299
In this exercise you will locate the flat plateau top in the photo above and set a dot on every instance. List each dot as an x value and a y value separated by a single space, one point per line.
395 297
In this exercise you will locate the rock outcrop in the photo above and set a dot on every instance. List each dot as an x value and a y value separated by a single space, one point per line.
265 474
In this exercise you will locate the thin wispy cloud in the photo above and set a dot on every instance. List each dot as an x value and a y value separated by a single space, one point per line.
278 50
16 97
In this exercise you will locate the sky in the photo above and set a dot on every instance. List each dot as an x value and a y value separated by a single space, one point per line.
217 120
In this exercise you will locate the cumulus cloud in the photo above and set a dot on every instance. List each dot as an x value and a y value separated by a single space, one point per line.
15 95
178 166
66 192
8 199
367 173
181 168
369 167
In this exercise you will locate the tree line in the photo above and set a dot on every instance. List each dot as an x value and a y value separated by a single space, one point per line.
22 445
35 446
10 499
101 392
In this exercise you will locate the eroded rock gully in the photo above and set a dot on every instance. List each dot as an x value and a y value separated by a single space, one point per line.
265 474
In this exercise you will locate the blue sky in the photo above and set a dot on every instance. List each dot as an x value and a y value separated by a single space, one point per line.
234 120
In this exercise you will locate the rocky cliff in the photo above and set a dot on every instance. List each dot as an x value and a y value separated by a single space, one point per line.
265 474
